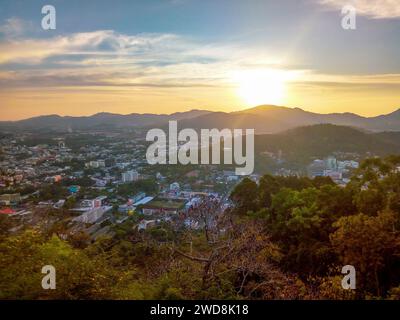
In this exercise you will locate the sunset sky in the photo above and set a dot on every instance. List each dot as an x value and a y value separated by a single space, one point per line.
163 56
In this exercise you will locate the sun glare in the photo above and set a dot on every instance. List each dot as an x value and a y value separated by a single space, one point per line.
256 87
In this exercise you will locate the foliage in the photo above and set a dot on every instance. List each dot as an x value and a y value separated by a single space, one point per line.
284 238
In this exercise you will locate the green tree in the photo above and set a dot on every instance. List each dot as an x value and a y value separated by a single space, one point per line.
244 196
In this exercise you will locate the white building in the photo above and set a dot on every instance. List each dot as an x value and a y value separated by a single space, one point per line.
93 203
331 163
130 176
174 186
334 175
97 164
143 224
93 215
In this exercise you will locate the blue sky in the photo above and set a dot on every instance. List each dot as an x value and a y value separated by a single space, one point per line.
149 53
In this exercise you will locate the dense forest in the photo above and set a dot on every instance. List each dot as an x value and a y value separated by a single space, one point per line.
283 238
304 143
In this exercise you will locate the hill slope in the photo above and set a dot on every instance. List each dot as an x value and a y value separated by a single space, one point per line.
302 144
264 119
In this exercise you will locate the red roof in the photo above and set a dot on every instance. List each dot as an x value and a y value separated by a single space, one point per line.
7 211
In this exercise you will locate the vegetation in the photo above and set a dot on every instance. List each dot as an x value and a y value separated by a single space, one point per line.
148 186
300 145
284 238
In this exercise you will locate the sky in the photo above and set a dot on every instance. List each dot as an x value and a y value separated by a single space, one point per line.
165 56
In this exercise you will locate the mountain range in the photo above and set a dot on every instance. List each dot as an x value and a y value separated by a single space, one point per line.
264 119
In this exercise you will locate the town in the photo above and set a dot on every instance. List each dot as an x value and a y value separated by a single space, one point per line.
92 182
96 182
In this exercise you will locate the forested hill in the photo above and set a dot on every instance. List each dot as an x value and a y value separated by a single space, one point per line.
324 139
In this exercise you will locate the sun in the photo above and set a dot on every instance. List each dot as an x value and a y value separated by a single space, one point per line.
256 87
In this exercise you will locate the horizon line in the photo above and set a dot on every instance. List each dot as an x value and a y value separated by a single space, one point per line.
195 109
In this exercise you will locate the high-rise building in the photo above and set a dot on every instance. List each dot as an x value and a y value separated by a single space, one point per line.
331 163
316 169
130 176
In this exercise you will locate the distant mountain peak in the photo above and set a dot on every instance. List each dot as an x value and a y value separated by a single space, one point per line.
268 107
271 108
263 119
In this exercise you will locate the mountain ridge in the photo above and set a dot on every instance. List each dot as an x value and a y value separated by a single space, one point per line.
264 119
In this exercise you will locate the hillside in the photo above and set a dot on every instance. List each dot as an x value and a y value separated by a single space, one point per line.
301 144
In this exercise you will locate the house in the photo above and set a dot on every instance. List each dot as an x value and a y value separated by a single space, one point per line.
163 206
7 211
174 187
137 197
192 174
144 224
59 204
89 204
73 189
97 164
9 199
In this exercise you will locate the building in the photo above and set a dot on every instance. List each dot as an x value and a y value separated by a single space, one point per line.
130 176
163 206
93 215
74 189
192 174
59 204
174 187
331 163
136 197
10 199
232 178
101 183
347 164
98 202
143 224
7 211
97 164
159 176
93 203
334 175
316 168
143 201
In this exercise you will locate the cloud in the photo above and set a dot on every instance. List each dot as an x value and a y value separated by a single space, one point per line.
351 83
103 42
108 58
14 27
377 9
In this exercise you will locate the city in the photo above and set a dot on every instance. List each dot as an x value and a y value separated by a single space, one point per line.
103 183
93 182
